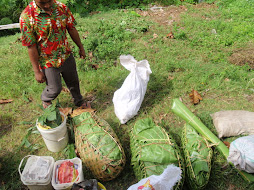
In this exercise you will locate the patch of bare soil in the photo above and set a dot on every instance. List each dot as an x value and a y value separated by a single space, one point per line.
164 15
169 15
242 57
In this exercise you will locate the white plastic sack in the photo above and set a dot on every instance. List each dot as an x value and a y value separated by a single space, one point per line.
127 100
165 181
233 123
241 153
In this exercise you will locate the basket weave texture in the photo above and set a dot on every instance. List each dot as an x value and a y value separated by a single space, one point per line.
198 156
99 147
153 150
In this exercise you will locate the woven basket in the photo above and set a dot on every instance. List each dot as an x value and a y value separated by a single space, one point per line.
98 146
192 143
144 165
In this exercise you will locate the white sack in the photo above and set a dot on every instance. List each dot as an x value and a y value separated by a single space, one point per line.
233 123
127 100
241 153
166 181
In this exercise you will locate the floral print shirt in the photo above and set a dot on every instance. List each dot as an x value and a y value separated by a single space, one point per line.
47 32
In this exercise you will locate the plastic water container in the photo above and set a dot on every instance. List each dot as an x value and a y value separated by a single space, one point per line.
56 139
37 184
66 186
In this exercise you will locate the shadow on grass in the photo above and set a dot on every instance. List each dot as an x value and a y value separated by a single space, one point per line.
157 90
9 175
6 122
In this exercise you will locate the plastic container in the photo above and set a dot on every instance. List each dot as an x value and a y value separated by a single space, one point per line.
67 186
42 184
56 139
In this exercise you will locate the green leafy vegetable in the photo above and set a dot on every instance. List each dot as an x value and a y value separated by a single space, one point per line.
51 116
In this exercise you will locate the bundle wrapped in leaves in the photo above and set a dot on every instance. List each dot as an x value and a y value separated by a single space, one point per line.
198 157
98 146
153 150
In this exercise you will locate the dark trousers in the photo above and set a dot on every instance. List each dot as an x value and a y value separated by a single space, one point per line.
54 85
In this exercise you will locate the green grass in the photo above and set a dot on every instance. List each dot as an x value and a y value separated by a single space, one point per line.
196 59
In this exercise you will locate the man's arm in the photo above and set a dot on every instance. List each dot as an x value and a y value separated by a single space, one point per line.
75 37
34 58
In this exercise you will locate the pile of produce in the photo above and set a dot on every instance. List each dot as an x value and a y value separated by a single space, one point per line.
198 157
153 150
98 146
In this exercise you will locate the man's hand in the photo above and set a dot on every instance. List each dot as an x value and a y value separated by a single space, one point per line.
40 77
82 53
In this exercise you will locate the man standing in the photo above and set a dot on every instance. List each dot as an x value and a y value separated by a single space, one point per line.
43 25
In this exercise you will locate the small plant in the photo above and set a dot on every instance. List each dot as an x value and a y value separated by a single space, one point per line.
51 118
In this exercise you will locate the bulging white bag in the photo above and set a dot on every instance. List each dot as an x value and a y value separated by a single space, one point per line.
241 153
127 100
166 181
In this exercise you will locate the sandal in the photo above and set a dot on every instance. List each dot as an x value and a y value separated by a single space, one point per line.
46 104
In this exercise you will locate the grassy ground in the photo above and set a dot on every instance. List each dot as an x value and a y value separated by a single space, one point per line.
201 56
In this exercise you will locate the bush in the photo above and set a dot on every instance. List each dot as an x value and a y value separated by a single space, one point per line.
5 20
12 9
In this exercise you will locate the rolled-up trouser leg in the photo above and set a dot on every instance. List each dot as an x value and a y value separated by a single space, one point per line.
53 82
70 76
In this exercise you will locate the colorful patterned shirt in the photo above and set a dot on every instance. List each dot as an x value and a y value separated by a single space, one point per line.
47 32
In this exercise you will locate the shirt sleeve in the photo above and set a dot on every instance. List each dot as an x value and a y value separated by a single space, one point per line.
27 34
71 22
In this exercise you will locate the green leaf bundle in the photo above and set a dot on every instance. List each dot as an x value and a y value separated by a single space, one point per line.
51 117
98 146
153 150
198 156
182 111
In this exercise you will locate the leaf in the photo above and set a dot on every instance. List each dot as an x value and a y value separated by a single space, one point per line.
90 55
170 77
5 101
134 13
94 66
65 89
79 111
226 143
26 97
66 111
52 116
70 151
155 36
195 97
170 35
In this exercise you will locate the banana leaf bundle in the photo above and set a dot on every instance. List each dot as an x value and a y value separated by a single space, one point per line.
98 146
153 150
198 156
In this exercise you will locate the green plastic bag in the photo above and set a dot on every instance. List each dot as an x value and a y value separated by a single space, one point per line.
153 150
198 157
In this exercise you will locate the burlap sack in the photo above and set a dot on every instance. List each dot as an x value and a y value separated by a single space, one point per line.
233 123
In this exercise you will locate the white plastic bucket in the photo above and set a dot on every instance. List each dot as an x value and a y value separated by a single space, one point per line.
56 139
42 184
66 186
